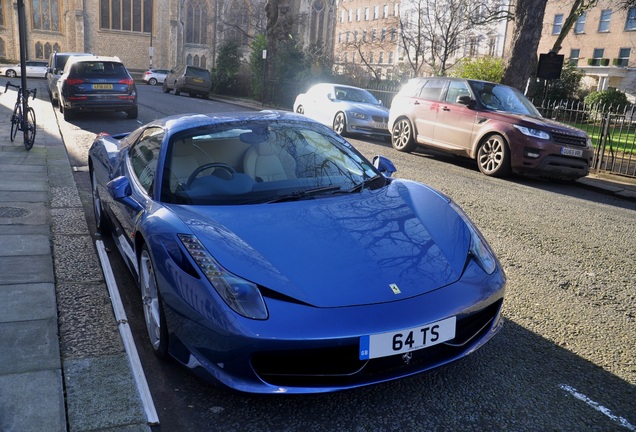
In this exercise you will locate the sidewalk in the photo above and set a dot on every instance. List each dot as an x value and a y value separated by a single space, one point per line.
60 367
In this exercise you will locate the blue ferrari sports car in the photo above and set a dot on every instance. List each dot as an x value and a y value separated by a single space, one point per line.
273 257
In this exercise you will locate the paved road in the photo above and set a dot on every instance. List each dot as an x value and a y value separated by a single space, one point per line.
565 360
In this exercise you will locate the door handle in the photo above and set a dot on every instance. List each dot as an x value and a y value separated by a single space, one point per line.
446 108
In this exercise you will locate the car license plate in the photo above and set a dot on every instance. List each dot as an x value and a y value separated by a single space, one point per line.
571 152
380 126
197 80
102 86
401 341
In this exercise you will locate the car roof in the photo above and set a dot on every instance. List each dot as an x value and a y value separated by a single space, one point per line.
93 58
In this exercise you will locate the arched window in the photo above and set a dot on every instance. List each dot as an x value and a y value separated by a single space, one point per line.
196 61
56 47
204 62
39 53
46 15
197 23
189 60
47 50
317 20
3 51
237 26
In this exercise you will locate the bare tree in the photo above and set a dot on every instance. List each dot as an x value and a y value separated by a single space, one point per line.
579 7
367 43
434 32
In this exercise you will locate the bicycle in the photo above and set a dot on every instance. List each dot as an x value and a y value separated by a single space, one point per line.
18 120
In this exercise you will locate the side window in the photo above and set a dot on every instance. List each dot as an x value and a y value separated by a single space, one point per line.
432 90
455 90
143 156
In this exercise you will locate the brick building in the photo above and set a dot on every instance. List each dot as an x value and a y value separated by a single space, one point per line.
601 44
173 31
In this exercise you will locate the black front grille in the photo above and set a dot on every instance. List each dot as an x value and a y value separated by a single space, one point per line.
379 119
341 366
561 138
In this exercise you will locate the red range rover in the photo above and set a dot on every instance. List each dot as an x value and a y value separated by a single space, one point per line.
492 123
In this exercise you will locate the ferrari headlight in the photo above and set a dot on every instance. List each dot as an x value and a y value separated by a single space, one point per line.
479 249
241 295
535 133
357 115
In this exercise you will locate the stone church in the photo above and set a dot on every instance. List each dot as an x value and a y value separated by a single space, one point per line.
157 33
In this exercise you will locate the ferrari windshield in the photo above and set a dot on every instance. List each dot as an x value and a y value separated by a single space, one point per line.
498 97
256 162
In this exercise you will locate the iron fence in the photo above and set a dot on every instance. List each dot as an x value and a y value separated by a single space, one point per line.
613 132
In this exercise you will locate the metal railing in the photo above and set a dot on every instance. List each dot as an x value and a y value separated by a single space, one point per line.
613 132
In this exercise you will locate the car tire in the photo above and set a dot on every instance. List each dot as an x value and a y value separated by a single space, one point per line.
152 81
100 217
68 113
152 304
493 156
206 95
192 95
340 124
11 73
402 138
177 92
132 113
165 88
300 109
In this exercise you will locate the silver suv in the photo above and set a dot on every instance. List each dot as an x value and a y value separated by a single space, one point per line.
57 61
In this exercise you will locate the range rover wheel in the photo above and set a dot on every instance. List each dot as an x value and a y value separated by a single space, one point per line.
493 156
402 136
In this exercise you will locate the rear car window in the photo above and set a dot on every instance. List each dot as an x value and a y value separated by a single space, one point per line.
198 73
99 69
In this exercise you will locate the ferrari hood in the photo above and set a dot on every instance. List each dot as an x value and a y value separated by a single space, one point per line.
371 247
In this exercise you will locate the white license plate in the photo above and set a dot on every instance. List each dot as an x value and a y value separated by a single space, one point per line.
571 152
401 341
380 125
102 86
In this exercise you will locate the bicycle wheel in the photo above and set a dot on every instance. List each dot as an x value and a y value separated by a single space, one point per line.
31 129
16 119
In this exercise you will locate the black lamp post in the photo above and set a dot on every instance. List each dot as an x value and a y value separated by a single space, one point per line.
23 57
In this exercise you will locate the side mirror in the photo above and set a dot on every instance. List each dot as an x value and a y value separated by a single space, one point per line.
466 100
121 191
384 165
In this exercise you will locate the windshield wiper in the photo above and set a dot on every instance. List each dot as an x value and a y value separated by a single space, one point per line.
302 194
367 183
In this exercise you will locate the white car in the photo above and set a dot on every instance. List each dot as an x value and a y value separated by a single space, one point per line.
34 69
155 76
347 109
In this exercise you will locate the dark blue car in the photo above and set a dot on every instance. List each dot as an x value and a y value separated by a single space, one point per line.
274 258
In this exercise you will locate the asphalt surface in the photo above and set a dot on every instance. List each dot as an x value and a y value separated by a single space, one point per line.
69 371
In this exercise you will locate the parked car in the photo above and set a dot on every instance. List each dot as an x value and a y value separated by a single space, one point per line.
346 109
55 67
492 123
34 69
274 258
193 80
96 83
155 76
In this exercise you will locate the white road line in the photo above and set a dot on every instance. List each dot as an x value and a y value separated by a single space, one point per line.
126 335
598 407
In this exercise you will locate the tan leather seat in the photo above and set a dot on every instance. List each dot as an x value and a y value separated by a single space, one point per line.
263 163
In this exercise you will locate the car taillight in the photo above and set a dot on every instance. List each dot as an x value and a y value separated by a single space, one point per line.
126 81
74 81
146 73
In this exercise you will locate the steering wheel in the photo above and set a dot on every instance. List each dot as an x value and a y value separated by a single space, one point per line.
206 166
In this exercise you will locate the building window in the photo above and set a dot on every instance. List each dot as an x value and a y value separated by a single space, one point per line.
391 57
574 56
371 57
342 16
492 46
604 23
317 21
3 49
340 37
383 35
623 56
353 57
393 34
366 13
346 57
630 24
43 51
126 15
46 15
2 16
596 57
579 27
350 15
237 14
373 35
396 10
558 24
196 28
381 57
376 12
364 35
473 45
358 14
385 11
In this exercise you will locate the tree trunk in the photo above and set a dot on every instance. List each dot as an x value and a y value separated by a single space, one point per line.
521 61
